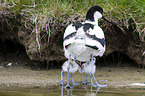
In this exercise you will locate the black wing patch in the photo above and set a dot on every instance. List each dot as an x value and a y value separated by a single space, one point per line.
87 26
66 46
77 25
69 36
102 41
93 47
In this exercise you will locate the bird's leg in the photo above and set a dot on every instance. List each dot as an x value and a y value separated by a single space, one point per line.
92 63
98 85
92 75
62 91
95 79
68 86
73 82
62 78
85 81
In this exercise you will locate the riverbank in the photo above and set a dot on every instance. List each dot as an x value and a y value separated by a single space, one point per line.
115 77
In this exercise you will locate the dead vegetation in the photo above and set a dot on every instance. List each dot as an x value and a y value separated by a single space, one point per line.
41 32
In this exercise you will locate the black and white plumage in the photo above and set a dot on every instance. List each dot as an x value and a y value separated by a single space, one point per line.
82 41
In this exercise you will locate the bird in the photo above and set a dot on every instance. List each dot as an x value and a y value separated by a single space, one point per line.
84 40
87 68
73 68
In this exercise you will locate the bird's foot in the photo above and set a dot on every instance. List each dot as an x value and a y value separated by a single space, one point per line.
85 82
99 85
67 86
92 84
74 83
61 82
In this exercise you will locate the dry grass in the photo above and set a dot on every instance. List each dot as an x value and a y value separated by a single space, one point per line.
48 17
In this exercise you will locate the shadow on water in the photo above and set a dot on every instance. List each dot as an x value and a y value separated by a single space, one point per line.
82 90
85 90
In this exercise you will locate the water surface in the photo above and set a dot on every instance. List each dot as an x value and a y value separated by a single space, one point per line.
81 90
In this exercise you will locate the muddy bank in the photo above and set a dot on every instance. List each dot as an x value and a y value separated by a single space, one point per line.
45 44
115 77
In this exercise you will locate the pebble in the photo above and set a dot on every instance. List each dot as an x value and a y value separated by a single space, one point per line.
9 64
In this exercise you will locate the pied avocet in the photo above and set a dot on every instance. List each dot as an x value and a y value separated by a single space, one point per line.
73 68
84 40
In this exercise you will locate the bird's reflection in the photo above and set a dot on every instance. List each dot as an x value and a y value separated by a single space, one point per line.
68 90
89 90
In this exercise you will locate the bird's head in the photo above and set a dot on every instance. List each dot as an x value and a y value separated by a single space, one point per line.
94 13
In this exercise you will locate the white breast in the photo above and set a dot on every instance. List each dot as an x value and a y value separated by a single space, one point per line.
87 68
76 44
73 66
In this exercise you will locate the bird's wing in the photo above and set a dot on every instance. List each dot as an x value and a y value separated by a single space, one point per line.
95 39
68 38
69 35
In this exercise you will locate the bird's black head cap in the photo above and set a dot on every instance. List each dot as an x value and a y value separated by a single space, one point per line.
92 10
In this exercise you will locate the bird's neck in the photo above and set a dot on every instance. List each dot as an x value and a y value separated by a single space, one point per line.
96 21
97 16
92 22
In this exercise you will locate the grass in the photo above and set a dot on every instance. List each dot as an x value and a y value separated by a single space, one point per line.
117 9
43 15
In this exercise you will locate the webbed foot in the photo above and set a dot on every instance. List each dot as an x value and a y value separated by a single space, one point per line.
67 86
61 82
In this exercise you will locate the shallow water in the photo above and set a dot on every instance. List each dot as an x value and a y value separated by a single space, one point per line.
75 91
121 82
